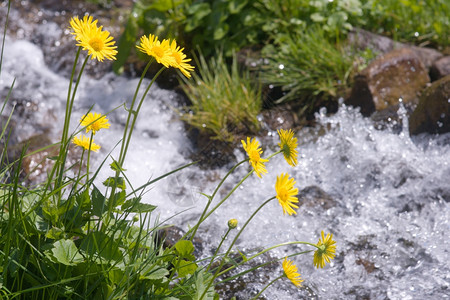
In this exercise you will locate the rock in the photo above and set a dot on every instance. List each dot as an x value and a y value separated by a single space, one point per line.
363 39
314 196
397 74
433 111
440 68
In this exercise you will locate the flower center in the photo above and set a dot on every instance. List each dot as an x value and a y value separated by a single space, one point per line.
254 156
158 51
283 194
96 44
177 57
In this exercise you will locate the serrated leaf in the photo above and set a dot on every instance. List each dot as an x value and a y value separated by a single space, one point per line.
66 252
135 206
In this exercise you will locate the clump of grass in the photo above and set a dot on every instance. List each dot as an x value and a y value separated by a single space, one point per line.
224 101
307 66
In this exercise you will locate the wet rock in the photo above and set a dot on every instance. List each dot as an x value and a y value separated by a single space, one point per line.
440 68
399 74
433 111
363 39
314 196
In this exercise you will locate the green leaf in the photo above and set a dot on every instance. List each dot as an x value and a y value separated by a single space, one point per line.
201 282
155 273
185 249
115 182
115 165
220 31
98 243
98 202
135 206
54 233
186 268
235 6
197 12
66 252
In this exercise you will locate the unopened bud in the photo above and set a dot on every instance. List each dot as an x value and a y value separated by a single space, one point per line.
232 223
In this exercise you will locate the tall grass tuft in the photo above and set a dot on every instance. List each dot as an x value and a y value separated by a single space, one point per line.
224 100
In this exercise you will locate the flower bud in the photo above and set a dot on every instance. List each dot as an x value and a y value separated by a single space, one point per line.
232 223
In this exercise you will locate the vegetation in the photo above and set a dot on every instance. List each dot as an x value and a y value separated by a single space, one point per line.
306 37
67 238
223 101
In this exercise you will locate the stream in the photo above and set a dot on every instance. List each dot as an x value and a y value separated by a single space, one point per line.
382 194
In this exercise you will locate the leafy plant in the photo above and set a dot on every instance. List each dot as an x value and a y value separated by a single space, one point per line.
224 101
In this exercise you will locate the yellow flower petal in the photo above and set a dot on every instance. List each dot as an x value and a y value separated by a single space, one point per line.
291 272
288 145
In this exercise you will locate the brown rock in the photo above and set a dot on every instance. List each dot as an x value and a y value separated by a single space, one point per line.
432 114
397 74
363 39
440 68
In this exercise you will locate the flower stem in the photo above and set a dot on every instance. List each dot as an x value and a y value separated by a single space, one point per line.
234 241
269 284
210 198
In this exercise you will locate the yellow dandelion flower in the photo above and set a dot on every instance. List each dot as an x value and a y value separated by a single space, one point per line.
326 250
97 42
291 272
180 61
254 154
159 50
288 145
286 193
84 142
94 122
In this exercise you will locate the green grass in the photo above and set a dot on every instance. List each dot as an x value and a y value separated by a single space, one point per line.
224 100
307 66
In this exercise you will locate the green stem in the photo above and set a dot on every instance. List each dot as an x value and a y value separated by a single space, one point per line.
267 250
136 115
130 110
269 284
233 242
218 248
203 217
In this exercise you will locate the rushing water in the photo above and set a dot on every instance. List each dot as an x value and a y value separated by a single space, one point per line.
387 195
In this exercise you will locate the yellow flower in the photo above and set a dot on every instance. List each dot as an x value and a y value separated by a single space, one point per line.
96 41
286 193
94 122
254 152
159 50
84 143
291 272
326 250
180 61
288 145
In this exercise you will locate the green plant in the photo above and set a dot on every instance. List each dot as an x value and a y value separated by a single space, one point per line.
224 101
307 66
64 238
423 22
